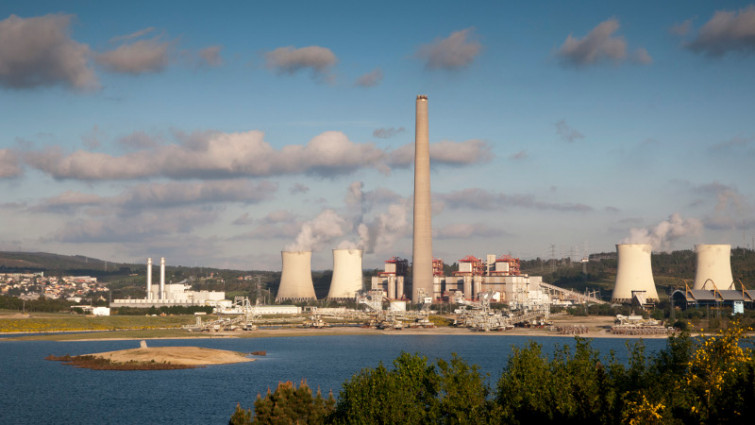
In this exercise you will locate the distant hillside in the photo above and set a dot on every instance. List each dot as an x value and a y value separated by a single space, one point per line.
43 261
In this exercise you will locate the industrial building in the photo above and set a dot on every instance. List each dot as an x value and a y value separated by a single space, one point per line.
171 294
498 276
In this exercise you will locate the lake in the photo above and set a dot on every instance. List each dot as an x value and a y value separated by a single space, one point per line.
37 391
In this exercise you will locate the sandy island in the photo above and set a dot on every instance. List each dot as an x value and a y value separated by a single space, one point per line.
154 358
188 356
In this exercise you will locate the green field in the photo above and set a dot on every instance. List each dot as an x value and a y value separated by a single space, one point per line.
65 322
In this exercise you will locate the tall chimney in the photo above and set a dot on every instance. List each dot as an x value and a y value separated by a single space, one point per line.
422 250
162 278
149 278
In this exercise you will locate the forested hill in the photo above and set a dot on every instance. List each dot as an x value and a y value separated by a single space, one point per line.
43 261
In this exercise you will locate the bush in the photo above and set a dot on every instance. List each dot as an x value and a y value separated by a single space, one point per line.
693 380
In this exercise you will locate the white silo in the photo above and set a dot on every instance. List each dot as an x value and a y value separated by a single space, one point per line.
634 273
296 276
713 264
347 273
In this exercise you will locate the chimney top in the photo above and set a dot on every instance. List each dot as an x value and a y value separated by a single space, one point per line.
421 97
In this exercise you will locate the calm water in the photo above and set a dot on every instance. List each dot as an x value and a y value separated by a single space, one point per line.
36 391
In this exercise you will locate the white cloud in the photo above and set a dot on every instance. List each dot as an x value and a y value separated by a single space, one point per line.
133 35
445 153
642 57
481 199
370 79
214 155
387 133
727 31
290 60
457 51
467 230
568 133
139 57
682 28
40 52
210 56
598 45
9 164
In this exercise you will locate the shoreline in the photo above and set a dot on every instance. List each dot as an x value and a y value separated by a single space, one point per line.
597 327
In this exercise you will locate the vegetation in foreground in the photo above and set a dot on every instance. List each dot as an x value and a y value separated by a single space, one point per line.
99 363
707 380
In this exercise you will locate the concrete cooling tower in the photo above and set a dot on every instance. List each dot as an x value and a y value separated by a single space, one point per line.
422 250
347 273
296 277
634 273
713 264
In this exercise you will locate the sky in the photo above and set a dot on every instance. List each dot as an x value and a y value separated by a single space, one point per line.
219 134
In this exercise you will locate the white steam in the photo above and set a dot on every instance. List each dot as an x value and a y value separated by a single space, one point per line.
664 233
324 228
361 226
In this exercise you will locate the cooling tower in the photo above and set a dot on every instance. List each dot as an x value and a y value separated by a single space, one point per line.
347 273
296 276
713 263
422 252
634 273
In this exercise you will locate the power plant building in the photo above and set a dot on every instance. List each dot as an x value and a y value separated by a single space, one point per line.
497 275
170 294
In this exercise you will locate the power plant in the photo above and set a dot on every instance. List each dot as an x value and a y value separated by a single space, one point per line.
347 274
296 277
713 267
170 294
422 249
634 275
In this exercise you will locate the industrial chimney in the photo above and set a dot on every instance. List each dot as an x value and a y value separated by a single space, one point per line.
149 278
296 276
422 252
713 265
347 273
634 273
162 278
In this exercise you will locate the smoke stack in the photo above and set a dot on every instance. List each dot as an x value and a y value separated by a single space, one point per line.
422 252
347 273
634 273
149 278
713 264
162 278
296 276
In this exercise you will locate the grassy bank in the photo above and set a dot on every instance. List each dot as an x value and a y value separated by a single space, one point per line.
52 322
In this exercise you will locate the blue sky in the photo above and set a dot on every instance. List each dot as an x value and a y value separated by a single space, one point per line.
218 135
